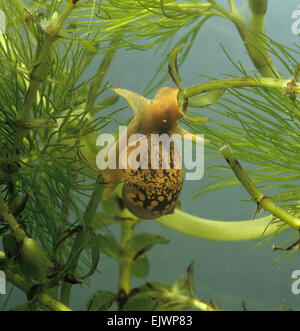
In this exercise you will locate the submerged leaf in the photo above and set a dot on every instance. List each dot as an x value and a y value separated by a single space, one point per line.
140 267
140 302
10 246
89 46
101 300
109 246
173 68
141 243
206 99
95 252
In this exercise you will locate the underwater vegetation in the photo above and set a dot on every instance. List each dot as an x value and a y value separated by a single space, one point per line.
59 211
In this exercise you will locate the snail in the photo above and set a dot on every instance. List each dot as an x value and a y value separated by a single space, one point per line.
150 193
147 192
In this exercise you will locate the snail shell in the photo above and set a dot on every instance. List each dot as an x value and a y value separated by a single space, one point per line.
150 193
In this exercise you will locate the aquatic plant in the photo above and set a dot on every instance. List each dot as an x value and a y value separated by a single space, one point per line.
54 216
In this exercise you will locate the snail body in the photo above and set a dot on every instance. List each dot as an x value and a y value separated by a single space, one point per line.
150 192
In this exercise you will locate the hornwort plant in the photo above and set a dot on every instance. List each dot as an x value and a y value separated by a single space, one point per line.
56 207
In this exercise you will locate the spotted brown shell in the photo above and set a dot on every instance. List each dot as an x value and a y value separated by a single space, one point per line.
150 193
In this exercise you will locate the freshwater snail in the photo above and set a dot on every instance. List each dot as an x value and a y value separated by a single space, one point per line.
148 191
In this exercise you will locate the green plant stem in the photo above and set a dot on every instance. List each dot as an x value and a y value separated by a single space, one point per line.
125 262
80 240
43 298
220 230
262 201
102 71
98 190
185 301
38 258
241 82
221 9
8 217
38 75
251 34
20 7
188 5
194 8
201 305
46 300
232 6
